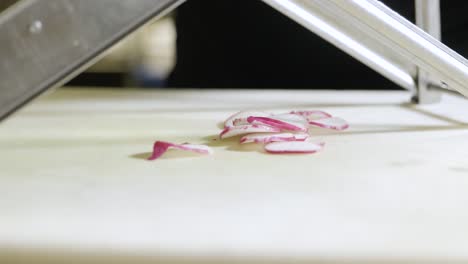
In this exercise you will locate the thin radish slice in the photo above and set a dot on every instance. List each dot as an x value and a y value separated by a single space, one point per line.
331 123
291 118
292 147
240 118
312 114
278 123
269 137
160 147
247 129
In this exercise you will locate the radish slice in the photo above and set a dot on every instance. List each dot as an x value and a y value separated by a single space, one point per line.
160 147
311 114
292 118
247 129
277 123
268 137
331 123
240 118
293 147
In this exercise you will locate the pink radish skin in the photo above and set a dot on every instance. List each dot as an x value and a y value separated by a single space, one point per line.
311 115
277 123
240 122
294 147
330 123
160 147
240 118
247 129
268 137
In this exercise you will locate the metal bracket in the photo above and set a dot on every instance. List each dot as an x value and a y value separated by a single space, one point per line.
45 43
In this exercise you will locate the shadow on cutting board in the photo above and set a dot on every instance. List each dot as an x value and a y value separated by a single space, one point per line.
231 144
170 154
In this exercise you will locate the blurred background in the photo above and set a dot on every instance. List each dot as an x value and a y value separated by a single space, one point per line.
144 59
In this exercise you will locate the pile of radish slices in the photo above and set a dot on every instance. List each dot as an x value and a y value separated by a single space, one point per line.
280 133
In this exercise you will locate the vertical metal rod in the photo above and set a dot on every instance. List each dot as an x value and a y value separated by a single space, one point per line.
428 19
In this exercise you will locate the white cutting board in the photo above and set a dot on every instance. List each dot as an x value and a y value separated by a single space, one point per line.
392 187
